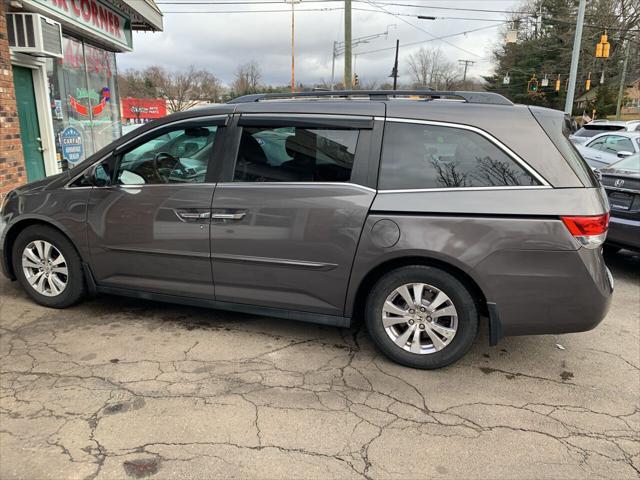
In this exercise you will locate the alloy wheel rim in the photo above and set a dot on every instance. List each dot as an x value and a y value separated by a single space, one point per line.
45 268
419 318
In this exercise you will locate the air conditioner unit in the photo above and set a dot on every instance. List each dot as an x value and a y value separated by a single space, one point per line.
34 34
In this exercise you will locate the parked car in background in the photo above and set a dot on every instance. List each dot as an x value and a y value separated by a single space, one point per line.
622 184
414 212
602 126
608 148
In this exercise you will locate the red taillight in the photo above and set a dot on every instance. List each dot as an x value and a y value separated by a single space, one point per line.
590 231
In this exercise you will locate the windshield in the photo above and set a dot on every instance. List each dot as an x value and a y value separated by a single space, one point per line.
591 130
631 164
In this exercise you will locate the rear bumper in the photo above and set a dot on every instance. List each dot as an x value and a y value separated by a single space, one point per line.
544 292
624 232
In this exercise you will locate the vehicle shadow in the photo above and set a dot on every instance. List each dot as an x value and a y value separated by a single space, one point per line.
624 264
512 354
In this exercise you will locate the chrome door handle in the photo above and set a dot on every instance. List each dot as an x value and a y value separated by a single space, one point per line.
228 216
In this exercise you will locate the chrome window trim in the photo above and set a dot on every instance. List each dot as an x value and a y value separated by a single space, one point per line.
466 189
484 134
176 184
295 184
159 127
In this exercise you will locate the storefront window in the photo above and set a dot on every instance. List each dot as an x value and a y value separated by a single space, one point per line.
84 101
105 107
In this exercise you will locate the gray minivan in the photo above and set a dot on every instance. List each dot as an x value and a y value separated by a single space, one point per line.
417 211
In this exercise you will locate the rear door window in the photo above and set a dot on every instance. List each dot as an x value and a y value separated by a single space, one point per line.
421 156
295 154
616 143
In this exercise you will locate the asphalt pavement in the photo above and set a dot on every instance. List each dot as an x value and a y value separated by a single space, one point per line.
120 388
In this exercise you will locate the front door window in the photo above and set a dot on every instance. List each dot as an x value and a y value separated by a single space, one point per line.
178 156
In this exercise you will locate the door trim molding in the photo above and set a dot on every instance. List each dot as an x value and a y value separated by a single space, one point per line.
282 262
158 251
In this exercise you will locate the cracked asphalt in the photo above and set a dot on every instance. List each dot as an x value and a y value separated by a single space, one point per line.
119 388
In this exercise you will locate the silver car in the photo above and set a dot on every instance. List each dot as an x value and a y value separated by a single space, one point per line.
417 212
608 148
591 129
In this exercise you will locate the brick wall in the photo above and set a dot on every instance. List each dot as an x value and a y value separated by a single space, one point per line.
12 172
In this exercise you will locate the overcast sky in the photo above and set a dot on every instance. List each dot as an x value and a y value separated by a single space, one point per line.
220 42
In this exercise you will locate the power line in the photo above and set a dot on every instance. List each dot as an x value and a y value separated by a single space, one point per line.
462 9
374 4
434 39
325 9
322 9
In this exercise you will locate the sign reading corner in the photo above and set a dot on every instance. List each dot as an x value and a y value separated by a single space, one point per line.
94 16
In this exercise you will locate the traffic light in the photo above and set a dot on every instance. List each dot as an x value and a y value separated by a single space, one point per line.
532 86
587 84
603 48
356 81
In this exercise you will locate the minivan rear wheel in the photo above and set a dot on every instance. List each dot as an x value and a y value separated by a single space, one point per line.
421 317
48 267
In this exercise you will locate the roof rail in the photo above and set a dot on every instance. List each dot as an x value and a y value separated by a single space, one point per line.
468 97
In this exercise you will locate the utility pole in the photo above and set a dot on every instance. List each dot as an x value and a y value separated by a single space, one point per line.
623 81
333 64
394 72
575 57
348 73
293 37
467 64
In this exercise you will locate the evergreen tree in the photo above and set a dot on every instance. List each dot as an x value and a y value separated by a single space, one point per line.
544 47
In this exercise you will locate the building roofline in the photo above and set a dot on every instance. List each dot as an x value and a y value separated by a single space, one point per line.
146 15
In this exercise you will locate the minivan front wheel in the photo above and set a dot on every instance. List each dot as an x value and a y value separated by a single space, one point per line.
48 266
421 317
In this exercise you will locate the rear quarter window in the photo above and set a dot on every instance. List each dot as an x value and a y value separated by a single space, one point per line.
554 124
424 156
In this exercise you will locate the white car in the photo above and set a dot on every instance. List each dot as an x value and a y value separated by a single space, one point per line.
590 130
607 148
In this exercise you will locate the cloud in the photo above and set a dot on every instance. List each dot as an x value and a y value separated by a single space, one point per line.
220 42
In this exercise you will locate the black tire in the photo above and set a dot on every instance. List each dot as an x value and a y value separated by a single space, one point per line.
75 287
466 309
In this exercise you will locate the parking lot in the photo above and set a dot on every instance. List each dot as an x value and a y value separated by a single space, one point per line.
122 388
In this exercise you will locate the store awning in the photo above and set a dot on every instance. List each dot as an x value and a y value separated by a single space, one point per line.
147 15
109 23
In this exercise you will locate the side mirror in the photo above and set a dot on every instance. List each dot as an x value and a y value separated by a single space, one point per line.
624 154
98 175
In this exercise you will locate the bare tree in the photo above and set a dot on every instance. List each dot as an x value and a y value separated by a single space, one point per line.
248 77
133 83
182 90
429 68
